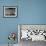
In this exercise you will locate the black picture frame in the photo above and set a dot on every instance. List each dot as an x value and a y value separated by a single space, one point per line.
10 11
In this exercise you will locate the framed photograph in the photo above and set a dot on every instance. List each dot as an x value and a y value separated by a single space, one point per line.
10 11
32 32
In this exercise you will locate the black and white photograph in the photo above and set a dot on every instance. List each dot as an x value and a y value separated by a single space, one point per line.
29 34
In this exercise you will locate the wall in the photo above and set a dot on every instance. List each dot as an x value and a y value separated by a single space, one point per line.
32 11
7 25
29 12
